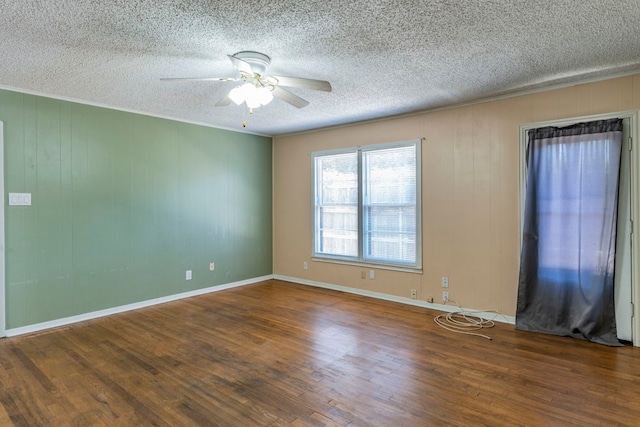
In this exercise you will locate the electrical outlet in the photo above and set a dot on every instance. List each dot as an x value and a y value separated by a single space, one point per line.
445 282
363 274
372 274
414 294
304 265
212 266
188 275
445 296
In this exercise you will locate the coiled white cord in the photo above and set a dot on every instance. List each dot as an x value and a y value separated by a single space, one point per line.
466 321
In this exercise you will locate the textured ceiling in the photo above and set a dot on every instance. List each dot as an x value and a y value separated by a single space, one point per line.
382 58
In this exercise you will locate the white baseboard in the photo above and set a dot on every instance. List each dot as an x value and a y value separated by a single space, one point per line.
441 307
128 307
142 304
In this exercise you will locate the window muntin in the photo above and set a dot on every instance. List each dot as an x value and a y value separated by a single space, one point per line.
367 204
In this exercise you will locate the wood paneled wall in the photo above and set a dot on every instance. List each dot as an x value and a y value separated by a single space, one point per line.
123 205
470 170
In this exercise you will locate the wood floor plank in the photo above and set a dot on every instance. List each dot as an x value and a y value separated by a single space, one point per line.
278 353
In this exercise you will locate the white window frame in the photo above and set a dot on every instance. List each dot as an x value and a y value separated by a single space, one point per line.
360 260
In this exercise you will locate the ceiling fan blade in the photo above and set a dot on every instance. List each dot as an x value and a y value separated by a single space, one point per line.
177 79
289 97
224 101
302 83
241 65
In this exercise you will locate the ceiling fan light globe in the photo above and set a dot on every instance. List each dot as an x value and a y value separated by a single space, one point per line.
263 95
237 95
252 102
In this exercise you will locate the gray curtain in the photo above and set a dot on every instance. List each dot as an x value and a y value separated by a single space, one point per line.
568 243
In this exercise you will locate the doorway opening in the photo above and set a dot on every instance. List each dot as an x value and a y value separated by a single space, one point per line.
626 261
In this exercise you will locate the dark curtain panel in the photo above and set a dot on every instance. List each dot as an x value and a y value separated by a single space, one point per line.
569 236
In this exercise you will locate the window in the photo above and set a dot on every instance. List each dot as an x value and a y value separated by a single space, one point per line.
367 204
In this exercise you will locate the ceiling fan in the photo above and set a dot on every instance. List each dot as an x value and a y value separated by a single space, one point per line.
258 88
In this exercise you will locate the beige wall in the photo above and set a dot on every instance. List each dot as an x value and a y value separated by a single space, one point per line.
470 192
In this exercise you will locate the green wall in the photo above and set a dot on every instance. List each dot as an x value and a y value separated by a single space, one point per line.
123 204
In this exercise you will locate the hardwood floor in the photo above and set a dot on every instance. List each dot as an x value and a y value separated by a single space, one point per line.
277 353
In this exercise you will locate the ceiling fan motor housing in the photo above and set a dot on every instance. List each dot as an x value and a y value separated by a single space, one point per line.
258 61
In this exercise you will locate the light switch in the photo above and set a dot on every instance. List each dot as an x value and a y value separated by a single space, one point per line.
19 199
